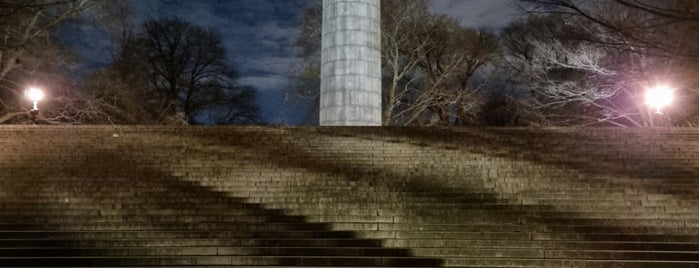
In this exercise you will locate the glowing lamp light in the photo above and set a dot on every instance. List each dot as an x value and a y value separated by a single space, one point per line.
35 95
659 97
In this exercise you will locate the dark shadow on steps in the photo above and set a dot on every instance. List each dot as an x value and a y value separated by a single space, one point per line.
288 150
145 217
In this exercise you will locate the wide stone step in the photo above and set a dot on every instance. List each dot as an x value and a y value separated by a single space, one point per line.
649 222
456 209
207 242
616 214
200 251
156 210
76 204
617 255
177 234
455 213
484 205
559 254
578 196
276 199
462 235
330 211
163 219
545 244
219 260
577 236
176 226
494 228
518 262
616 237
620 229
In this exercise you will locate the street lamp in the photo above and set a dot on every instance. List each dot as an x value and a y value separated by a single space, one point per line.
35 95
659 97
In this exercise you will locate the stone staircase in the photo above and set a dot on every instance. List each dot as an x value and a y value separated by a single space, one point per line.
348 197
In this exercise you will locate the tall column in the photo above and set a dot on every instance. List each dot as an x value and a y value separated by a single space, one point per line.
350 90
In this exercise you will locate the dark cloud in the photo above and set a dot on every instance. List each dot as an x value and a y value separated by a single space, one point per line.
490 14
91 43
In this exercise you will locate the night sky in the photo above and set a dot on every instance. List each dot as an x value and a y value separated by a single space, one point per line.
261 35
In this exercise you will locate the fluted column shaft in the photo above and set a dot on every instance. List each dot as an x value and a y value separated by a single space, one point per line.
351 63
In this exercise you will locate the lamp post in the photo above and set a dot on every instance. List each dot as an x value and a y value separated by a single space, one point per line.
34 95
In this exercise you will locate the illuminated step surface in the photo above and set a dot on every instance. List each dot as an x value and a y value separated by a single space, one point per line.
348 197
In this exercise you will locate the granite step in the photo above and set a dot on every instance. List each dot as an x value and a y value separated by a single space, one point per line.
198 251
219 260
200 242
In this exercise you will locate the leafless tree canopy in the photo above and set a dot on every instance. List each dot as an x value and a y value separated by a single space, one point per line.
30 55
173 68
590 62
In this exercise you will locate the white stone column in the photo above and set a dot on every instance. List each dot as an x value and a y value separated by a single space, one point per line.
350 90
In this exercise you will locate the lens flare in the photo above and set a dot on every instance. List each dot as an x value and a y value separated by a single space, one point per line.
659 97
34 94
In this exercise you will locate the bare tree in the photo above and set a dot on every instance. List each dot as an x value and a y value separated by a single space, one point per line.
447 62
590 63
29 53
172 72
400 55
684 10
22 23
123 86
559 71
188 69
643 24
306 83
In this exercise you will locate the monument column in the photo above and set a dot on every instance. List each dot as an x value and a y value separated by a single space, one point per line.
350 89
